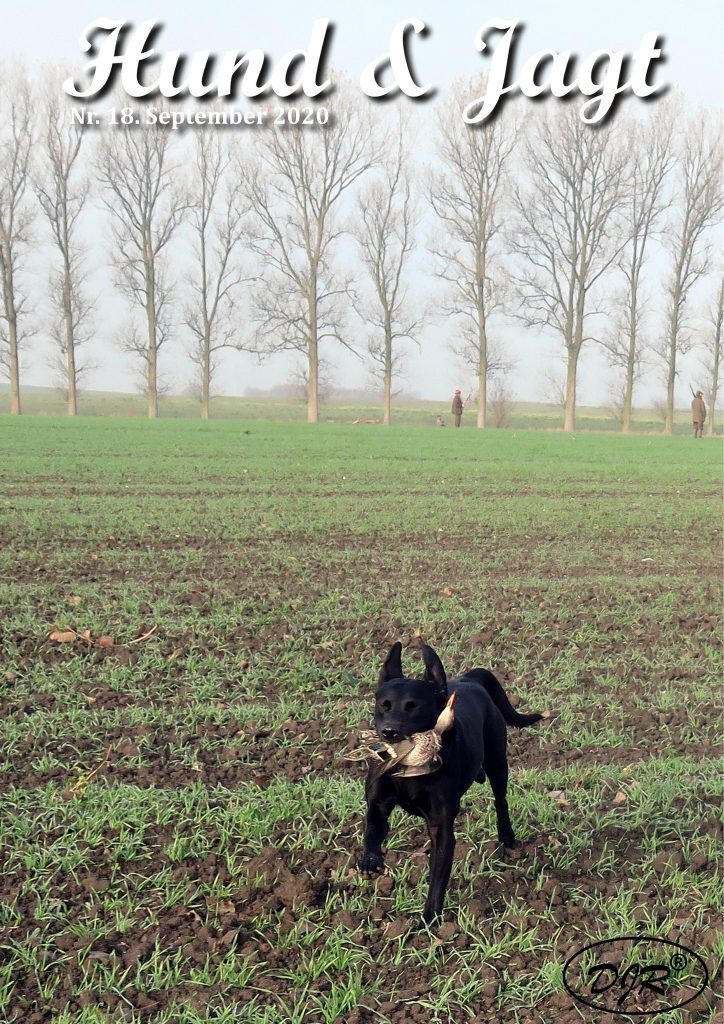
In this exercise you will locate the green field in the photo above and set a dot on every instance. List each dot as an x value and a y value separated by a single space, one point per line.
406 412
206 870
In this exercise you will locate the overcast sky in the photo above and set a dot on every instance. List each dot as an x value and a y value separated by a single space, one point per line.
45 30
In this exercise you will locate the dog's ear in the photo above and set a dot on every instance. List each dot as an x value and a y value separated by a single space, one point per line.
434 672
392 667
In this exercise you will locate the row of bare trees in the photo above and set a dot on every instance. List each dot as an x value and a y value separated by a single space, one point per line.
279 234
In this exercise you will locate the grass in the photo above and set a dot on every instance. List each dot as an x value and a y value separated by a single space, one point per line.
205 872
37 401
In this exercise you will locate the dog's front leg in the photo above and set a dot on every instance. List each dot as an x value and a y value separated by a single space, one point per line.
377 824
442 836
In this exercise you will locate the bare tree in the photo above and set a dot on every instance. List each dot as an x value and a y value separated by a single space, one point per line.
712 343
296 189
16 219
385 238
217 211
567 230
146 206
623 339
617 398
467 194
652 158
62 193
501 402
699 202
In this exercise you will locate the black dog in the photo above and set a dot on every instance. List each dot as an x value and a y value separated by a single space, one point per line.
474 747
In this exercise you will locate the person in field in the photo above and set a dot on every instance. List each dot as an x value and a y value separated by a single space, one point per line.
698 413
457 407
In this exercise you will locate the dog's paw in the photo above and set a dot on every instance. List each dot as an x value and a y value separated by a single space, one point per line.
371 864
508 840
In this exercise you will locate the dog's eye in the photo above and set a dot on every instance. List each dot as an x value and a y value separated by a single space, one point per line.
386 705
410 705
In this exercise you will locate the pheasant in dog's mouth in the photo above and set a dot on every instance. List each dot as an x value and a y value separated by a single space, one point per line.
418 755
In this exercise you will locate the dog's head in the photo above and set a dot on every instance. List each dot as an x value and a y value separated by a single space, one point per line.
406 706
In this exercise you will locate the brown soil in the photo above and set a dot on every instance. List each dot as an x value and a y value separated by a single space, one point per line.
289 881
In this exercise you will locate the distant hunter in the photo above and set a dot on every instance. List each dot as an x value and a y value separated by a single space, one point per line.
457 407
698 413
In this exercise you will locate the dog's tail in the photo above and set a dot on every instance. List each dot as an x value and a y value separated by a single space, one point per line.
500 699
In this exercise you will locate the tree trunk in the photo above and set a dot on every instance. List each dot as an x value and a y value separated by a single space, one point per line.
573 343
70 347
627 401
569 421
671 364
711 428
152 387
13 354
313 359
72 391
312 383
206 378
482 351
152 368
15 406
713 401
482 378
630 367
152 379
387 399
716 355
671 377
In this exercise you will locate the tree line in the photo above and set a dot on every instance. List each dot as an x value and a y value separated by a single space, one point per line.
287 230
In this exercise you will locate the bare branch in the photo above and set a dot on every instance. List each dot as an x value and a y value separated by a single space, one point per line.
146 204
468 194
568 229
386 222
217 209
712 344
62 192
699 200
652 159
16 218
295 189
